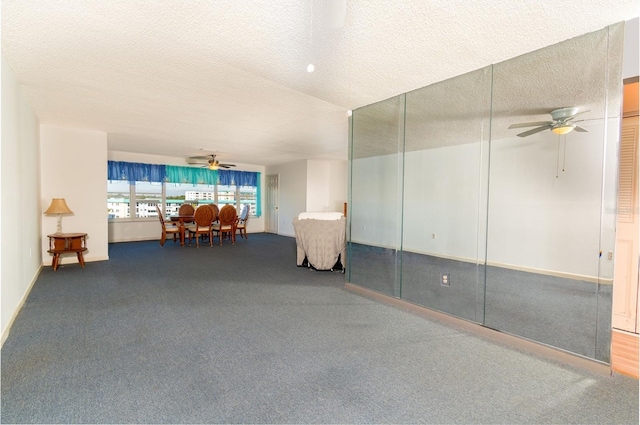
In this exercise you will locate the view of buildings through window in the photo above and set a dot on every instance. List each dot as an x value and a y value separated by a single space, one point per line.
139 200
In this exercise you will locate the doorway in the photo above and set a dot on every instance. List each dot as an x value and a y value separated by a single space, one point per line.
272 204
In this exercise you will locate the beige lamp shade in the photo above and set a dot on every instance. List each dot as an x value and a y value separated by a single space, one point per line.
58 207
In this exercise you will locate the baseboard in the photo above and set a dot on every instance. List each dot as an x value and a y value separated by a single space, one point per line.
7 331
501 337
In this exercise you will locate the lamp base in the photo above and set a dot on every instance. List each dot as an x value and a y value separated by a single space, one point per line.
59 227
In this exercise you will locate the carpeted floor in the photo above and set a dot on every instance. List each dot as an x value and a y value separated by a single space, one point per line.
239 334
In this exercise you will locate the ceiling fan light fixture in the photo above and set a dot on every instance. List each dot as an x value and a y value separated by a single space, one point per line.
563 129
212 163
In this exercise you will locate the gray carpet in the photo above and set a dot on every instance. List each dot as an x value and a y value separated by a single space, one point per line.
239 334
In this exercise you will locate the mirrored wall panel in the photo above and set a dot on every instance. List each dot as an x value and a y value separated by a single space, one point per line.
611 183
492 196
376 192
545 217
446 141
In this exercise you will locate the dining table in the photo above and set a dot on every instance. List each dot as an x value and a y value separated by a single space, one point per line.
182 219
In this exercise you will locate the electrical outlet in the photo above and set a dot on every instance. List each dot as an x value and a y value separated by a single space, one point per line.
445 279
433 236
610 255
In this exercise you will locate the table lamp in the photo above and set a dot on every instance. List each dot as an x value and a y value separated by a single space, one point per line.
58 206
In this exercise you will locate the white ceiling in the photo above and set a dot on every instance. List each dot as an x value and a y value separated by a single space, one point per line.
172 77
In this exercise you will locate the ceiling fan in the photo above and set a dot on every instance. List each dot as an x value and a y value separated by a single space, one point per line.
562 123
212 163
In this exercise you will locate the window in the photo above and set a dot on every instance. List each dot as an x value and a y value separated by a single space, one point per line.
248 196
169 196
226 196
186 193
147 195
118 196
174 198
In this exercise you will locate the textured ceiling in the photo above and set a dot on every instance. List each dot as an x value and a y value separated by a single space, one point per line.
172 77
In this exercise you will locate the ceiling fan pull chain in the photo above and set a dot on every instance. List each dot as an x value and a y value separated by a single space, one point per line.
564 154
558 158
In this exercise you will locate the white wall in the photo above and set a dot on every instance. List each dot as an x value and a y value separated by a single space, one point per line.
308 185
138 229
292 193
326 185
20 207
74 167
317 186
338 187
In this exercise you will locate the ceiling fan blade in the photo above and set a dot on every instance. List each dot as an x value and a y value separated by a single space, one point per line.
581 112
573 117
530 124
211 161
535 130
580 129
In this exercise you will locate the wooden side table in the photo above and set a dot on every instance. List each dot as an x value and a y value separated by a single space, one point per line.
66 243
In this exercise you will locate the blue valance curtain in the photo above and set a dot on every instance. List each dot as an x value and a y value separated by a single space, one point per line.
238 178
135 171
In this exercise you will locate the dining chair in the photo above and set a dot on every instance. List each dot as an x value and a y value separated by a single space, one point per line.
226 223
216 211
186 209
203 220
241 221
167 228
214 208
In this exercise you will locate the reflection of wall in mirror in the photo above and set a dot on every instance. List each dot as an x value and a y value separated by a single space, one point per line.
541 221
441 196
536 220
375 199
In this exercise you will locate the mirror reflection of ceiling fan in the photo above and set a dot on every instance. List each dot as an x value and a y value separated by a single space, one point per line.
562 123
211 162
